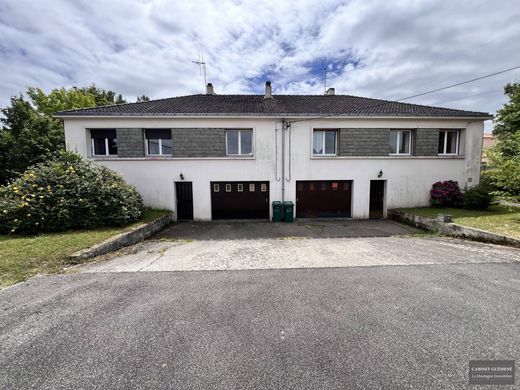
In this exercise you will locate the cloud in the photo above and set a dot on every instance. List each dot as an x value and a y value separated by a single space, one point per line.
371 48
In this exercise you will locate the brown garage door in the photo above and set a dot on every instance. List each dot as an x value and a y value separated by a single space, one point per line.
323 199
240 200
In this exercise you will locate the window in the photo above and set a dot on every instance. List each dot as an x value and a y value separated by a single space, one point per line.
334 186
228 187
251 188
263 187
104 142
216 188
239 142
400 141
449 141
240 187
324 142
158 142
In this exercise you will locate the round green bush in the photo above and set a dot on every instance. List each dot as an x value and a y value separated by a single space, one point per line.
477 197
67 193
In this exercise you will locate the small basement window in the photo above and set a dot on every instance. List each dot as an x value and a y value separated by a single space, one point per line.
449 142
104 142
158 142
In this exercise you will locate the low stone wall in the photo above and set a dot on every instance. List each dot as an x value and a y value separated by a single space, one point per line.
452 229
137 234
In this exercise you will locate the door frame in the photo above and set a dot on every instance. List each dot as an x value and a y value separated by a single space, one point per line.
177 200
385 211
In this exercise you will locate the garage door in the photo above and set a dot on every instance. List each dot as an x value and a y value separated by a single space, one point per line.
240 200
323 199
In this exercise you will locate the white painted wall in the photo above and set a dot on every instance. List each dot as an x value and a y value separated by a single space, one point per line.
409 179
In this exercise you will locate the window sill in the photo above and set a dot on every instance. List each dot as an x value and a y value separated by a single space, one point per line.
391 157
169 158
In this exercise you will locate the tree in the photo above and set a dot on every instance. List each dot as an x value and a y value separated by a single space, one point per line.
30 134
507 120
143 98
504 159
504 162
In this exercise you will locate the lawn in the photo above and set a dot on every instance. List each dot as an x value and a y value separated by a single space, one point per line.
24 256
498 219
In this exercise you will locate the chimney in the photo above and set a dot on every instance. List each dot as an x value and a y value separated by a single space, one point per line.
209 89
268 94
330 91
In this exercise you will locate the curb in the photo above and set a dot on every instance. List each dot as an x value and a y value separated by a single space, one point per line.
137 234
452 229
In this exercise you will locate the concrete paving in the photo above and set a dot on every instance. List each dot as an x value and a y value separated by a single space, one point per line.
311 228
343 328
294 252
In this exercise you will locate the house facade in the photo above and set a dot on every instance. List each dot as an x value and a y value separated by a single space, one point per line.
229 156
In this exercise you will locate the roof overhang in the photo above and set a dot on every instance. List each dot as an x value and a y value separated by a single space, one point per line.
268 116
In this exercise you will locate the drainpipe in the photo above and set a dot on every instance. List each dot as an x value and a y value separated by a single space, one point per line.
284 128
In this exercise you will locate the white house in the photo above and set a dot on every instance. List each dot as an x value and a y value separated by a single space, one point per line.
229 156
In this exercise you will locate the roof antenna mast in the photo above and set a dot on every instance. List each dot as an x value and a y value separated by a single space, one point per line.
202 66
325 68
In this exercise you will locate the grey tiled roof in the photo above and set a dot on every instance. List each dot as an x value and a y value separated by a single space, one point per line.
279 105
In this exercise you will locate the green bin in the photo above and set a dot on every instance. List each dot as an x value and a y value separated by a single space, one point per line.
288 211
277 211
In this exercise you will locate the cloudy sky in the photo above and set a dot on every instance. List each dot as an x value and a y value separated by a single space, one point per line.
384 49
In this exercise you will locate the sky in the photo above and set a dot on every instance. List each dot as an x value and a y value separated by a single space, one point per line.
380 49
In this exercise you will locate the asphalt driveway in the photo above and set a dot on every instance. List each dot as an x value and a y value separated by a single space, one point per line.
392 327
295 310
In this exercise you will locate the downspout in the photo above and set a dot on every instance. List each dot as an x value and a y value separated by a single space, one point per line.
278 178
289 129
284 128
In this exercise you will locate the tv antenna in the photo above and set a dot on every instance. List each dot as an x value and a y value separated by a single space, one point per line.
202 66
325 69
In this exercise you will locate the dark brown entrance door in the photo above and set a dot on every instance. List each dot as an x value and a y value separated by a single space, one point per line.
377 198
323 199
184 193
240 200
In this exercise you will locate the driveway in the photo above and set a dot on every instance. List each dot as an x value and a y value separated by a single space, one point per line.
317 244
392 311
341 328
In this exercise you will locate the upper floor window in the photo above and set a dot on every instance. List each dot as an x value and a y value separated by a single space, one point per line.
239 142
158 142
400 141
104 142
449 141
324 142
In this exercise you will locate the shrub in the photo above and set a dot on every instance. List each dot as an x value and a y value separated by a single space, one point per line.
67 193
445 194
477 197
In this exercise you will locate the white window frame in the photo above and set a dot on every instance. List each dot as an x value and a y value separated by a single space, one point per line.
240 131
399 132
147 148
446 131
107 153
323 131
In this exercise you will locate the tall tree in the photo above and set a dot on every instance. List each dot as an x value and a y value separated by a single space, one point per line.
507 120
143 98
504 157
30 134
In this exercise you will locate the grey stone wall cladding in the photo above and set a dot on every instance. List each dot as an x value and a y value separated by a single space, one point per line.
364 142
210 142
426 142
199 142
375 142
130 142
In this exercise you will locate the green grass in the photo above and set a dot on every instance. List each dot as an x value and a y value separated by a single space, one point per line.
24 256
498 219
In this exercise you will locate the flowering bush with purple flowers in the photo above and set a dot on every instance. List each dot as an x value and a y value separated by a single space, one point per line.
445 194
